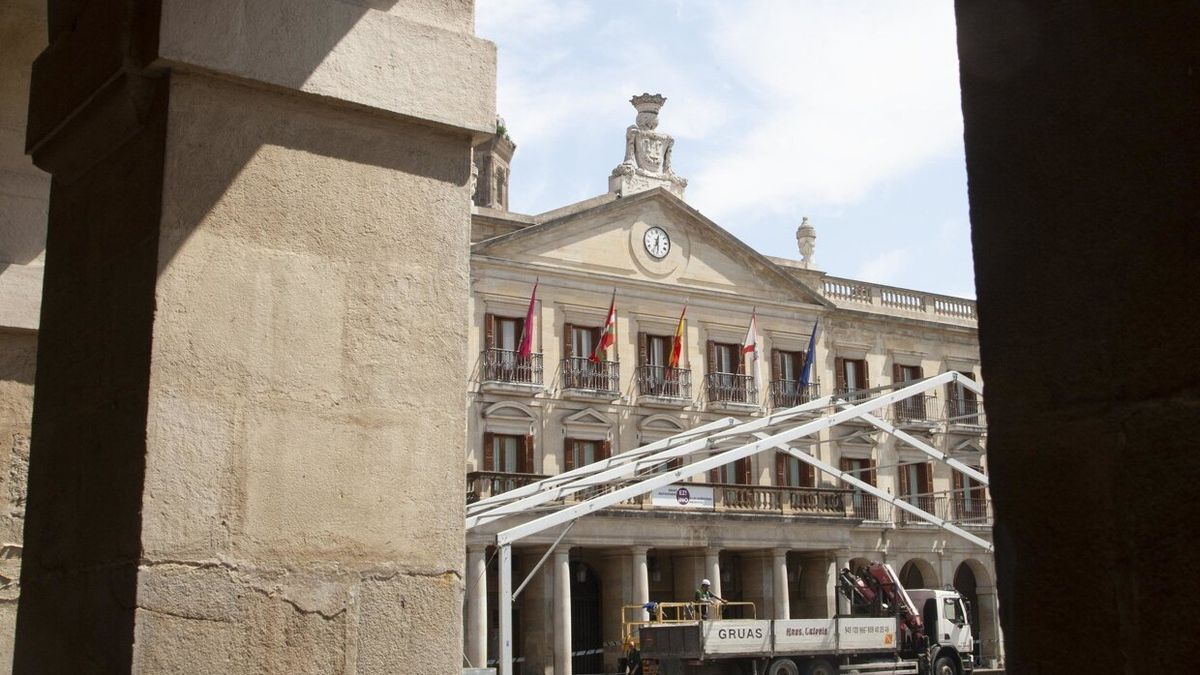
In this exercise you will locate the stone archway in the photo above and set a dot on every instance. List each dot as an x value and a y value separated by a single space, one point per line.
918 573
974 582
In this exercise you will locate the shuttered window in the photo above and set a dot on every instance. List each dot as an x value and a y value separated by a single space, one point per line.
851 374
791 472
507 453
579 452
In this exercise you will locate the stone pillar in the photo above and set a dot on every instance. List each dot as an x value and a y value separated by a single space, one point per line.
641 577
779 572
246 224
712 567
989 625
562 611
833 565
475 645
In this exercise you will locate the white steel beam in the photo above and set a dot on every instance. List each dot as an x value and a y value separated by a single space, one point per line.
648 484
926 448
607 471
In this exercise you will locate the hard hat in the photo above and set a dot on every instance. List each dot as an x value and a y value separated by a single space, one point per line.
705 582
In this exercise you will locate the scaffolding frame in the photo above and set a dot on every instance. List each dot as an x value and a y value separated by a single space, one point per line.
644 469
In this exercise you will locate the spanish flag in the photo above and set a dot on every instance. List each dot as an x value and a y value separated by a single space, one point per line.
677 347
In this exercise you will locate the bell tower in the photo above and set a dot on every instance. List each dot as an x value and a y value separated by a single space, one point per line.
492 158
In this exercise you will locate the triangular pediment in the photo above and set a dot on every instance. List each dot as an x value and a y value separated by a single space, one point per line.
587 417
609 237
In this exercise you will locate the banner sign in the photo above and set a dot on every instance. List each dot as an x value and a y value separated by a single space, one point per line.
683 497
737 636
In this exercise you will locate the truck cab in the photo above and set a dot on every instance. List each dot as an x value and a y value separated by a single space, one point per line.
944 615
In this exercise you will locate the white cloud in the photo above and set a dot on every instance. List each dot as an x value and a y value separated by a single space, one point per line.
888 267
843 96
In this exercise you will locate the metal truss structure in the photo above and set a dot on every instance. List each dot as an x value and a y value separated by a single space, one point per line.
547 503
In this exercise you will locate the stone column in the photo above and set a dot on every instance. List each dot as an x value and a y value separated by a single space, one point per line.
712 567
782 597
989 631
475 645
562 611
641 576
834 564
246 226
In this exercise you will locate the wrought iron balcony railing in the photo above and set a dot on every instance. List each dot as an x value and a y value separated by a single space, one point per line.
965 412
914 409
790 393
484 484
665 382
505 365
731 388
598 376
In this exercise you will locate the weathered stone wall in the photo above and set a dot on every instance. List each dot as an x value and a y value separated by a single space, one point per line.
247 444
1082 150
24 194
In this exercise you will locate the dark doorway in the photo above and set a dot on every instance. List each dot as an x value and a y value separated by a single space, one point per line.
587 641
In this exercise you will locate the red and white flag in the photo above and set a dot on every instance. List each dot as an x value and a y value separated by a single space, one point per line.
608 335
750 348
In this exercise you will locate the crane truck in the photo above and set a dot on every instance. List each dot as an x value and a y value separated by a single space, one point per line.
888 629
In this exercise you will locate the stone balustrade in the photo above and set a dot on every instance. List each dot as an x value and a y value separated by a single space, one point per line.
851 293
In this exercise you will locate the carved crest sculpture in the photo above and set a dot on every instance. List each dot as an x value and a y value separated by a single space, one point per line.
647 162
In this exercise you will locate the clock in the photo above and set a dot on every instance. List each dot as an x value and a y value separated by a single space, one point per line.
658 244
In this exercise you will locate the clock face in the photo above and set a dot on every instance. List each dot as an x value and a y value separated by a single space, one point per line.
657 242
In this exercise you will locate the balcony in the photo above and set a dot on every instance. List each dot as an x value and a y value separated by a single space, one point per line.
484 484
965 415
584 378
965 508
731 392
795 501
504 369
661 384
915 411
898 301
790 393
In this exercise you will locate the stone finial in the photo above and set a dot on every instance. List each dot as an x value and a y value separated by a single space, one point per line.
806 239
647 162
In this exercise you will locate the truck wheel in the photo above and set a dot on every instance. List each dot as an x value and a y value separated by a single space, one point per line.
944 665
820 667
783 667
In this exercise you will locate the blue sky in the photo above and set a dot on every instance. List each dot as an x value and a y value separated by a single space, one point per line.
846 112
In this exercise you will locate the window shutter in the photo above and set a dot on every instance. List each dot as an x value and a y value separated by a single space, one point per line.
489 331
920 372
969 395
839 365
958 484
714 476
605 450
776 364
568 340
489 453
844 464
904 489
712 356
780 468
568 454
528 463
865 381
744 471
897 373
807 477
870 475
926 475
643 349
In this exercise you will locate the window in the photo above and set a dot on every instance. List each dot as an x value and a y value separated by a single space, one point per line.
581 341
725 379
787 368
791 472
916 484
912 408
969 500
655 378
502 339
788 365
851 375
579 452
865 505
508 453
733 473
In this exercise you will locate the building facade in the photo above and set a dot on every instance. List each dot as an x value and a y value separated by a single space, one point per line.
775 532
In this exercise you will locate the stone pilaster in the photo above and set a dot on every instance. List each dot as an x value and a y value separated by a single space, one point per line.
562 611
